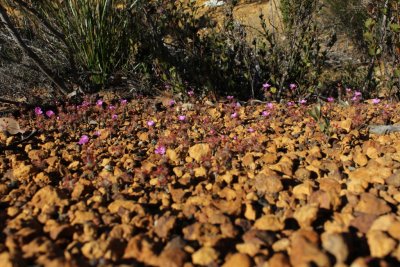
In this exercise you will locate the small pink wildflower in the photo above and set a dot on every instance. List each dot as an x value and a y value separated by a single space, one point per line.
348 90
238 105
85 104
99 103
190 93
270 105
234 115
160 150
376 101
172 102
50 113
290 103
38 111
97 133
83 140
229 97
212 131
292 86
265 113
114 116
250 130
150 123
111 107
266 86
303 101
357 93
182 117
330 99
123 101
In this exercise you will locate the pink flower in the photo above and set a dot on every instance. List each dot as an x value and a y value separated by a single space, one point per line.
97 133
38 111
270 105
111 107
150 123
190 93
99 103
160 150
290 103
292 86
265 113
172 102
123 101
348 90
330 99
50 113
238 105
266 86
83 140
114 116
234 115
250 130
229 97
85 104
376 101
303 101
182 117
357 93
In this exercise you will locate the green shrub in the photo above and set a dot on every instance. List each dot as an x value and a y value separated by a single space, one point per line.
98 33
382 36
298 55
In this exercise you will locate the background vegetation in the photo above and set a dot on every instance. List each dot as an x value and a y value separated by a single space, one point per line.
158 45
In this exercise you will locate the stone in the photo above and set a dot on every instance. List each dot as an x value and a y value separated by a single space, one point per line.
269 222
267 184
205 256
198 151
371 204
380 244
238 259
335 244
279 260
306 215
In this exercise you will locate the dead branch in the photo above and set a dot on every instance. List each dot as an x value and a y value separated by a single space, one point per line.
62 88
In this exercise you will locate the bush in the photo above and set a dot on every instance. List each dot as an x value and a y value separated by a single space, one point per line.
98 33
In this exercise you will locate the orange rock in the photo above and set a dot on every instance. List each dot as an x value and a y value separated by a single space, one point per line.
371 204
238 259
205 256
269 222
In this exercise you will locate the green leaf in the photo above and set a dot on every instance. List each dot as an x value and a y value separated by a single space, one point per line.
395 27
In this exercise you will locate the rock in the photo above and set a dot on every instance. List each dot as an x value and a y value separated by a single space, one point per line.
363 222
269 222
141 249
380 244
198 151
8 260
279 260
394 179
205 256
268 184
303 190
129 205
164 225
371 204
48 197
394 230
336 245
173 255
306 215
250 213
238 259
304 251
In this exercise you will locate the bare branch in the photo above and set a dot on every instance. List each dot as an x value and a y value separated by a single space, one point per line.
62 88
